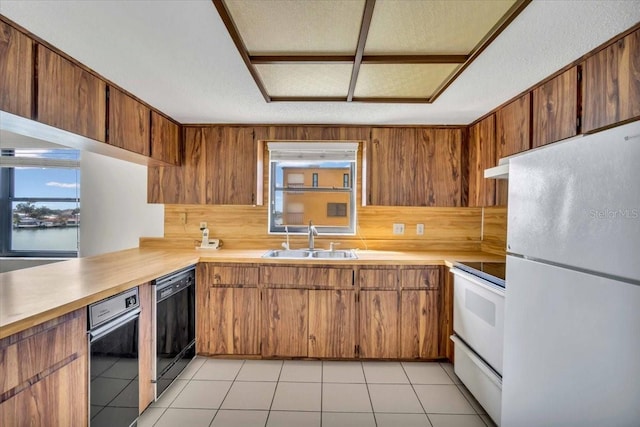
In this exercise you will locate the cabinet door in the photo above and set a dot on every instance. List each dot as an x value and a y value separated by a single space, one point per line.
379 324
165 140
231 159
233 321
59 399
419 324
285 322
16 71
513 135
415 167
70 97
332 323
555 109
611 81
129 123
481 157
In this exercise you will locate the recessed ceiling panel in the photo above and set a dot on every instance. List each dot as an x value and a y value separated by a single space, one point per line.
401 80
302 27
305 80
432 27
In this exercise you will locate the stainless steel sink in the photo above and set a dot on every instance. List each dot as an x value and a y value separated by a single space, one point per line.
339 254
310 254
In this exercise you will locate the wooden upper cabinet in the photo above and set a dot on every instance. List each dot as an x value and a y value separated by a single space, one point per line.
165 140
555 109
129 123
231 159
16 71
481 156
219 166
415 167
70 97
513 127
611 82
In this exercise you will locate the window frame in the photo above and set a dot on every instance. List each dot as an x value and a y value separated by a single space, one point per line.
349 230
7 197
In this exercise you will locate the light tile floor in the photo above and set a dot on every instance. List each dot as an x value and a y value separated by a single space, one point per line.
294 393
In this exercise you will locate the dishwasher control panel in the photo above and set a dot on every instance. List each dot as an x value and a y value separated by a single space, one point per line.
110 308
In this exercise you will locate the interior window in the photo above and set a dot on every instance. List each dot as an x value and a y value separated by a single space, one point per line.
40 191
312 181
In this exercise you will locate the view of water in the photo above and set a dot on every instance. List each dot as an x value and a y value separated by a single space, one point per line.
49 239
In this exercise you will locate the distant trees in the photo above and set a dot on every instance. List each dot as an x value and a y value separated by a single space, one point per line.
29 209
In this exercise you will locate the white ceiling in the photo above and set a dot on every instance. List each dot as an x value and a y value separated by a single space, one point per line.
177 56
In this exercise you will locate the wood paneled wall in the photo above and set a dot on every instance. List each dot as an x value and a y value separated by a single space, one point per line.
494 230
246 227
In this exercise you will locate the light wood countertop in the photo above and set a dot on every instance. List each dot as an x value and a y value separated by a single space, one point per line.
34 295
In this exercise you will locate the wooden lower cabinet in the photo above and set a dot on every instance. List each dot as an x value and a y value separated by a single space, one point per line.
45 378
332 323
379 324
285 323
234 321
419 324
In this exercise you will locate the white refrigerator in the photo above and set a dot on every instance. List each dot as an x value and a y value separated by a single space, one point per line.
572 310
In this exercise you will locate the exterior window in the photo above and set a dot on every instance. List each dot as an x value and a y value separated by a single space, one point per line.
345 180
295 196
336 209
40 193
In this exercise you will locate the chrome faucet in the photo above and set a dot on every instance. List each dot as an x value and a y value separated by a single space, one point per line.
312 232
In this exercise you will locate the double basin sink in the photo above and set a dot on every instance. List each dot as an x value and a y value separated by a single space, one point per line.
310 254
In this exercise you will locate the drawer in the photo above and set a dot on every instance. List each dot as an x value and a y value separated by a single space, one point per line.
308 276
229 275
482 381
379 278
421 278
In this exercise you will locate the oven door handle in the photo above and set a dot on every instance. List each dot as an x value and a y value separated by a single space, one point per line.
109 327
479 281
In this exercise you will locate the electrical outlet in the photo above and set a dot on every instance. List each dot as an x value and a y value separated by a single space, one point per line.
183 218
398 228
420 229
203 225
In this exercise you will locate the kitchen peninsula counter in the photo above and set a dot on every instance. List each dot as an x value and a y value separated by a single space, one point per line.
35 295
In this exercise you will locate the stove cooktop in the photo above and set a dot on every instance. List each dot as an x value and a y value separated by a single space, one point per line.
493 271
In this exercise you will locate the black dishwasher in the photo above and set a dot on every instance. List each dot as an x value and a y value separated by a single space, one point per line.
174 325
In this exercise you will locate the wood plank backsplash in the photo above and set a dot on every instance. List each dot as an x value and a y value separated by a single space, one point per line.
244 227
494 231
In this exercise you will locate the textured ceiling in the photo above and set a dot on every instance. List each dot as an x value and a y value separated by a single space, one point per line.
178 57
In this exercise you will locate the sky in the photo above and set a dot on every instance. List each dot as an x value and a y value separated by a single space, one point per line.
49 182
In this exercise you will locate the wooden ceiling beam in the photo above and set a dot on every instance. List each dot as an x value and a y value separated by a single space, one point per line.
294 59
242 49
362 41
414 59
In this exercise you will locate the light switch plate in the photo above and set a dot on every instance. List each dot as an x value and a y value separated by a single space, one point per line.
420 229
183 218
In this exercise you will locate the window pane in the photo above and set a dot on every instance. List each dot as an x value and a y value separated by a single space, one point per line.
46 183
45 226
300 207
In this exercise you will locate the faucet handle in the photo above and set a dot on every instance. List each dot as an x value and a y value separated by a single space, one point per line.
332 245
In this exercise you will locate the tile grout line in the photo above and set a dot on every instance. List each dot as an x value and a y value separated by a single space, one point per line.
275 390
227 393
416 393
321 388
366 383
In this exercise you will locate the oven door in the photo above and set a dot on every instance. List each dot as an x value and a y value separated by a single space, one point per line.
175 335
113 371
478 316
